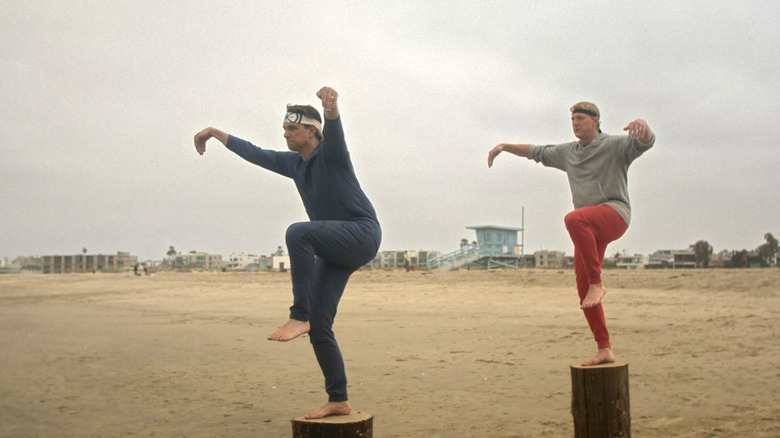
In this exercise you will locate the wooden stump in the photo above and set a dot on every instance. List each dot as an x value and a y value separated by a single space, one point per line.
354 425
599 401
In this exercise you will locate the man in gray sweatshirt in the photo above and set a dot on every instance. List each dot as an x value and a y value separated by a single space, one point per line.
597 168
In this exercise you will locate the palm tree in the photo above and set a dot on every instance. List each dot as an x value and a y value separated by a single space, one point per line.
768 251
702 251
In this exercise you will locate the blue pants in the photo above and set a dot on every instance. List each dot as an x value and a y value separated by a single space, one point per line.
323 255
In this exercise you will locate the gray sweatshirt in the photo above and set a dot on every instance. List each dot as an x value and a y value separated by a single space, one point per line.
598 172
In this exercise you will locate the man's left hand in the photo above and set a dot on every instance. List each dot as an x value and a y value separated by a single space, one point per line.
329 98
639 130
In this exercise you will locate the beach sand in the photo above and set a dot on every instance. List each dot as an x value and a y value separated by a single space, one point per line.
442 354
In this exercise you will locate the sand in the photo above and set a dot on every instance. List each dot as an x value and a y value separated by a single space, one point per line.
444 354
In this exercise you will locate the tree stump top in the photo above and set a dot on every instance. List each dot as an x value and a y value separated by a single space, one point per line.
354 417
603 365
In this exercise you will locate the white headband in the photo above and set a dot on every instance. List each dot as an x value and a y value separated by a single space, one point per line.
299 118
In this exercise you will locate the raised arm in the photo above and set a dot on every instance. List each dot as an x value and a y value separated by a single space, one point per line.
203 136
330 105
521 150
640 130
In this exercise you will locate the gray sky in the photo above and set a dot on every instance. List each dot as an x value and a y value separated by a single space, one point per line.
101 101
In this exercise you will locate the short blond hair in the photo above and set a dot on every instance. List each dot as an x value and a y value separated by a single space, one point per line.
586 108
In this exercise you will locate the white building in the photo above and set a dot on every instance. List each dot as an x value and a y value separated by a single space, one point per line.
636 261
280 263
239 260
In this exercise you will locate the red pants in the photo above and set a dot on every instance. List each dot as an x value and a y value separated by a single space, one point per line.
591 229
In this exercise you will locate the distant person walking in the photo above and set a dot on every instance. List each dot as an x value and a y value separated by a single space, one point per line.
597 169
342 233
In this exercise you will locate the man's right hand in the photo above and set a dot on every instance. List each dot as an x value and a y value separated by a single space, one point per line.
203 136
521 150
494 153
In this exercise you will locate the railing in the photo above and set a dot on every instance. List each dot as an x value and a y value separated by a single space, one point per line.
466 254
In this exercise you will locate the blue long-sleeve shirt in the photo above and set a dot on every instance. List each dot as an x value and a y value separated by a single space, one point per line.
326 181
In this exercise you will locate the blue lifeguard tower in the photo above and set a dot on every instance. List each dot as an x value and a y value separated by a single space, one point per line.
496 246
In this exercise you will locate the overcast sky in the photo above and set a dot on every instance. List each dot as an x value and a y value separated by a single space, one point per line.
101 100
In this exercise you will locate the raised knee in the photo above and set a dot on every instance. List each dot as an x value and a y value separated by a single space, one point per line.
295 232
572 218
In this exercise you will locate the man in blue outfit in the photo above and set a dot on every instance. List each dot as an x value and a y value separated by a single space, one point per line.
342 233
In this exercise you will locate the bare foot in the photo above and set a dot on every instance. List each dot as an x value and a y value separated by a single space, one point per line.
605 355
331 408
289 331
593 298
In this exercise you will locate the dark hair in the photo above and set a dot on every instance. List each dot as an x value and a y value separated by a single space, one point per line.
308 111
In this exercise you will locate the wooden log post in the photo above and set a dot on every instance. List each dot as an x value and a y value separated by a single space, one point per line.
599 401
354 425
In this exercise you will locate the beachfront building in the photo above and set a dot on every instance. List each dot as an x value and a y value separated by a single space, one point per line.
10 266
65 264
239 260
722 258
251 262
549 259
395 259
684 260
29 264
671 258
661 259
634 262
198 260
